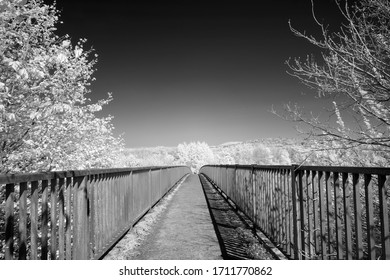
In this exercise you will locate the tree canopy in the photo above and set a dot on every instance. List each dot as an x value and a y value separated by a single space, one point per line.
195 155
47 121
353 78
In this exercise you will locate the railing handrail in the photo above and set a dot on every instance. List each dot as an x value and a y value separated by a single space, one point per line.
77 214
341 169
36 176
311 212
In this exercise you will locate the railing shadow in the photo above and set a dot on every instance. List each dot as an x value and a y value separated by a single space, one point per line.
228 224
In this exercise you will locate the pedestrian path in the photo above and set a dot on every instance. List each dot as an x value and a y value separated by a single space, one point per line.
185 230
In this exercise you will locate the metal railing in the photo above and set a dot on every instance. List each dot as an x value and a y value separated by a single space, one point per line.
76 214
313 212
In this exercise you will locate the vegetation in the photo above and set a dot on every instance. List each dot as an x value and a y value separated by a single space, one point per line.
353 78
271 151
47 121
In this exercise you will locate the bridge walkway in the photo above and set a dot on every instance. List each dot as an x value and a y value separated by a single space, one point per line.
183 231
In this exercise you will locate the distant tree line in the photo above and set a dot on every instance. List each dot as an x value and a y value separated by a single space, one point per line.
263 152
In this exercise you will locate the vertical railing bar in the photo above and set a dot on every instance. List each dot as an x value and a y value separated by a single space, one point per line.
132 194
9 221
102 195
44 226
92 215
274 210
235 184
347 216
86 198
358 215
108 209
274 204
294 205
263 200
266 202
283 209
68 215
127 194
118 203
302 214
76 229
253 196
99 216
384 216
112 206
279 206
322 206
115 216
23 221
61 219
314 186
123 200
369 216
53 219
260 211
83 225
106 203
34 221
337 217
309 223
288 213
269 203
150 187
121 203
227 180
104 210
328 215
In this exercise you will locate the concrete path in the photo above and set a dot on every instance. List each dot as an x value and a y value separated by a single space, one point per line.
185 230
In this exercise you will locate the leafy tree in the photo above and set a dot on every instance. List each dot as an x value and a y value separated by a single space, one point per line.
195 155
280 156
127 159
47 122
224 156
353 74
262 155
244 154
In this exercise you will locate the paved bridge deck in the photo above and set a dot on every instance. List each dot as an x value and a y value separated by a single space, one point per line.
185 230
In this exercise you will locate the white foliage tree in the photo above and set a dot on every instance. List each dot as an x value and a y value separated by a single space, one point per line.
262 155
224 156
195 155
243 154
46 120
280 156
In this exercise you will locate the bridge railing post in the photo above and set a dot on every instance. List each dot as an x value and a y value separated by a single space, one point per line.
294 209
254 219
81 225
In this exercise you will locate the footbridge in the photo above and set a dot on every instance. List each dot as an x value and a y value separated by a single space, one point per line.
224 212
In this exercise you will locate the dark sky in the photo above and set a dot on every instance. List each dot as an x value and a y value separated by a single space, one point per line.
196 70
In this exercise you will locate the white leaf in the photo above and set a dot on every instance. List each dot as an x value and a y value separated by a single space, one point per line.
23 73
14 64
78 52
61 58
66 43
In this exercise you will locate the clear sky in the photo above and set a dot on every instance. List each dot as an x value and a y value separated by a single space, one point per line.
196 70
